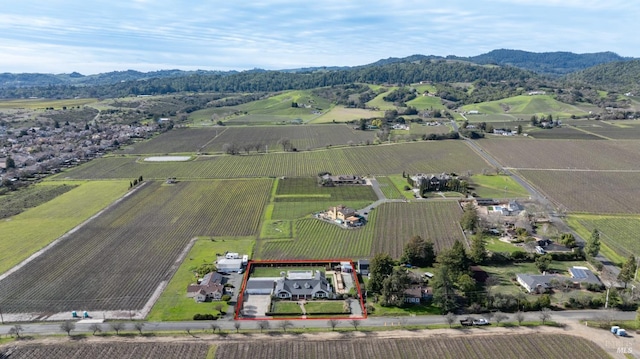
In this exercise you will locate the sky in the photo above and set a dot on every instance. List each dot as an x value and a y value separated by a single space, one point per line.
62 36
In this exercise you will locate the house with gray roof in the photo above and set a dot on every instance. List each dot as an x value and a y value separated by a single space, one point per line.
304 288
536 283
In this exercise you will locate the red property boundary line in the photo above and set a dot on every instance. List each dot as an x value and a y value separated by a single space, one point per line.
247 274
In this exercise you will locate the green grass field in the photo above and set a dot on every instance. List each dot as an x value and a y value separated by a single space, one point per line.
324 307
525 105
389 188
426 103
276 229
497 186
287 307
173 304
29 231
496 245
379 103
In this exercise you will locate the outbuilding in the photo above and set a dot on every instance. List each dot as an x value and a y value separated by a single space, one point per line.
229 265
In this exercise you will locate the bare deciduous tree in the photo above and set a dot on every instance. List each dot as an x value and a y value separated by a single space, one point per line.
332 323
117 327
500 317
545 314
285 324
95 328
263 324
67 326
139 326
355 323
450 318
519 317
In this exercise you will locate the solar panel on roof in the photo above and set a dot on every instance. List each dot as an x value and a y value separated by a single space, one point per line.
578 273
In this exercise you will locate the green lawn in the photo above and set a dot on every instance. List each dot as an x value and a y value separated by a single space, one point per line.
497 186
287 307
389 188
325 307
496 245
276 229
173 304
400 182
26 233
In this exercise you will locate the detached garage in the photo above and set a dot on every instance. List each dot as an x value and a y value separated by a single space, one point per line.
259 286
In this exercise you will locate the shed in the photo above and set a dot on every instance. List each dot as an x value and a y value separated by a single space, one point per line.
229 265
363 266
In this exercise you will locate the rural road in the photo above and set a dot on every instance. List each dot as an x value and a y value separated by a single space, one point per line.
228 324
611 270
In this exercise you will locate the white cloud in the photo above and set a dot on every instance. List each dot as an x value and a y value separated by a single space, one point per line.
65 35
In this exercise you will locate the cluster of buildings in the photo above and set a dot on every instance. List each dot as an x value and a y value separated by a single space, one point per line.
294 285
48 148
542 283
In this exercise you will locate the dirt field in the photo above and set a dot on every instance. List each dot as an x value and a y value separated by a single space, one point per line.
575 338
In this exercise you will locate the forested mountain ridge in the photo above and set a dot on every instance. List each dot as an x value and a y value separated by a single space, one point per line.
436 71
614 75
547 63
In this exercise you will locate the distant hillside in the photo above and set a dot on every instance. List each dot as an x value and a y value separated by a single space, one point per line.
259 81
74 78
615 75
547 63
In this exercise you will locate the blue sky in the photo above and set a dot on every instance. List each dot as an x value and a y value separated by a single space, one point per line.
95 36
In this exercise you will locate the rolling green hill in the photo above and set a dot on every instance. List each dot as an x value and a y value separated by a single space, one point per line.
525 105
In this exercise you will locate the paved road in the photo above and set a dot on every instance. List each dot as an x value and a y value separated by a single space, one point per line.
611 270
228 324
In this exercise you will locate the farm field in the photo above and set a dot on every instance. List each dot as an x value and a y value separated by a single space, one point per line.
298 189
379 102
294 210
589 191
526 105
15 202
302 137
26 233
41 103
497 119
388 188
620 233
414 157
390 226
553 346
343 114
396 223
117 260
576 154
422 129
179 140
315 239
617 130
173 304
157 350
560 133
493 186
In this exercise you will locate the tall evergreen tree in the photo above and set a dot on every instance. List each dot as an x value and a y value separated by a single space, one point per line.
593 244
418 252
628 270
470 219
